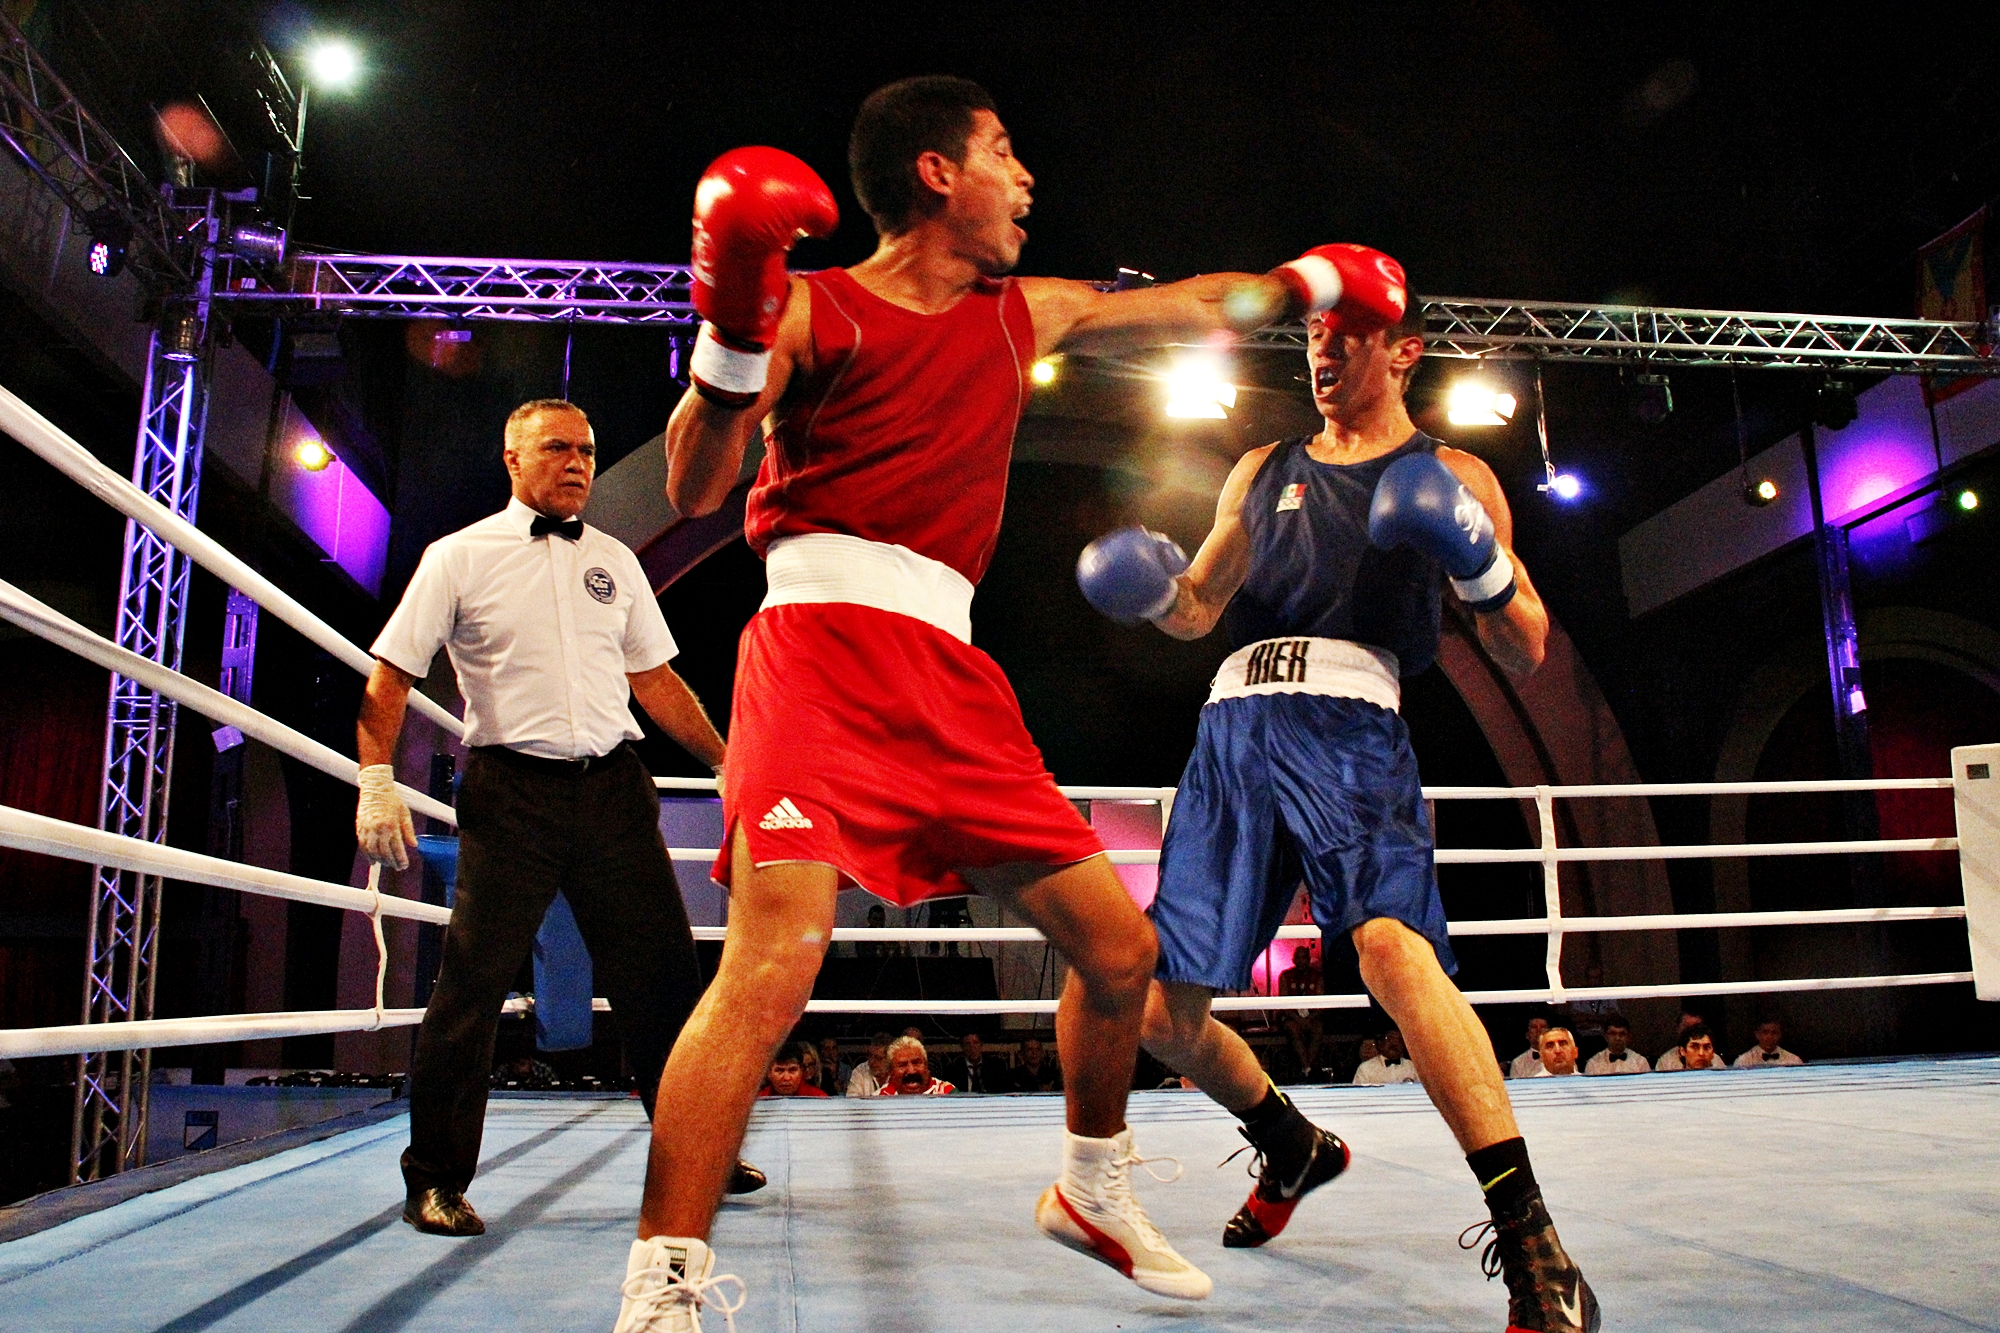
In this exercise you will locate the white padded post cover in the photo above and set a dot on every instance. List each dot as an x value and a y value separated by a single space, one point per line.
1975 771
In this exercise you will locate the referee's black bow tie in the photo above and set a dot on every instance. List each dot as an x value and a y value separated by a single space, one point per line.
544 525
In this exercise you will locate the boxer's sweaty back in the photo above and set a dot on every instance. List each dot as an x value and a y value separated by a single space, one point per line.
903 431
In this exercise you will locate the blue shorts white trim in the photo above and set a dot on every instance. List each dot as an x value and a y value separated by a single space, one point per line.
1284 787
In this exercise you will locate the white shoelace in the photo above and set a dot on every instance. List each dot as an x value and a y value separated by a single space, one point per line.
1118 1193
653 1302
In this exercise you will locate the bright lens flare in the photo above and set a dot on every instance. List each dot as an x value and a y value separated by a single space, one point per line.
1196 389
1566 486
313 456
1044 371
333 64
1472 403
1968 500
1767 489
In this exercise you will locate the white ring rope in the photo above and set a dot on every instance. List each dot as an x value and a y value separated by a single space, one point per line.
42 437
46 622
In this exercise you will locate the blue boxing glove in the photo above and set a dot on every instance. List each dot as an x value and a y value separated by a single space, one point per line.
1420 503
1129 574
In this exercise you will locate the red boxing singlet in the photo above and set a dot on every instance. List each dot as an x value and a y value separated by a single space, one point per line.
903 432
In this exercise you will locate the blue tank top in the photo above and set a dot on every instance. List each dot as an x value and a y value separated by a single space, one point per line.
1313 571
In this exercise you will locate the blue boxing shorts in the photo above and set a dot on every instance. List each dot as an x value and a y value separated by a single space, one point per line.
1283 786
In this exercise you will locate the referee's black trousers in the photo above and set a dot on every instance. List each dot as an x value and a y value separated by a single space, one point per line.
526 831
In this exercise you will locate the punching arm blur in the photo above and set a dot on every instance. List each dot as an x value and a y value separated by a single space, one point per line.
669 702
1077 317
1222 563
706 441
1517 634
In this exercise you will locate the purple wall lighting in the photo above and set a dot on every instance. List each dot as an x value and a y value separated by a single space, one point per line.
342 516
1886 449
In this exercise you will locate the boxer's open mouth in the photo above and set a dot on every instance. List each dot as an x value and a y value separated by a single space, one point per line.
1325 377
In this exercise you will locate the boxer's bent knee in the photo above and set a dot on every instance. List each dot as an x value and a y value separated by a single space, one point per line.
1177 1018
1384 942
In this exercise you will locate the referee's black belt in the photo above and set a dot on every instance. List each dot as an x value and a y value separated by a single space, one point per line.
556 768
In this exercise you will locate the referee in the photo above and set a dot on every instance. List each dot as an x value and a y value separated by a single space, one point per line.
551 627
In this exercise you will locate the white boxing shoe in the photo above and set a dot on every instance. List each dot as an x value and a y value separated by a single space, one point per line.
668 1283
1092 1209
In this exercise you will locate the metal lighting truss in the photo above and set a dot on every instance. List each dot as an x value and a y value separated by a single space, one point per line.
77 158
427 287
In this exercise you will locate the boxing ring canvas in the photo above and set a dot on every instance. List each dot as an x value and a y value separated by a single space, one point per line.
1858 1197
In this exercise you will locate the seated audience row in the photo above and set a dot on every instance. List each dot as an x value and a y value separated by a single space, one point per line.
902 1066
1555 1055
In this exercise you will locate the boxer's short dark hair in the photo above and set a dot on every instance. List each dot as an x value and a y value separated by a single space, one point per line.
897 124
1411 325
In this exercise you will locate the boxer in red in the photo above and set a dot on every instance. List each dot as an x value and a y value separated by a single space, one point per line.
870 743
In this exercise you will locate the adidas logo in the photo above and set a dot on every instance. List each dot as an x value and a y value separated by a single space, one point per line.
784 815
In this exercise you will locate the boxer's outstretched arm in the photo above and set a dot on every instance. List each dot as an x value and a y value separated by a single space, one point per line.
1222 563
1517 634
669 702
1076 317
706 440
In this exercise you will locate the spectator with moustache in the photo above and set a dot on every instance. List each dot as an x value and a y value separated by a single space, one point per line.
1767 1053
1617 1057
871 1074
910 1072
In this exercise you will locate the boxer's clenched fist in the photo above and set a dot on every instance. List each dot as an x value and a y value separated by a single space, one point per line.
1129 574
1421 503
1363 289
750 206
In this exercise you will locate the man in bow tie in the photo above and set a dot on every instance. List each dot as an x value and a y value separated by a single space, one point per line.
552 629
1618 1057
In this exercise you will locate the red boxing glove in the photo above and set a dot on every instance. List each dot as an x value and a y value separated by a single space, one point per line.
750 206
1364 288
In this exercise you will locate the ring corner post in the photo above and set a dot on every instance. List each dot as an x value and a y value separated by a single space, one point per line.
1975 771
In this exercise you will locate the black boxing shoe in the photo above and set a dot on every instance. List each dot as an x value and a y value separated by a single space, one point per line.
1282 1181
745 1179
1546 1292
442 1212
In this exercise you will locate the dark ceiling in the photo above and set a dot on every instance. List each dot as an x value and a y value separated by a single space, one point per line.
1740 156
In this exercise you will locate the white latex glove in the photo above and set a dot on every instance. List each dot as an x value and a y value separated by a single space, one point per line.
382 822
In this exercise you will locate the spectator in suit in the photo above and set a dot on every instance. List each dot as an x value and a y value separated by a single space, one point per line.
787 1076
833 1069
1697 1049
910 1072
1558 1052
868 1077
1618 1057
1391 1066
1767 1053
1037 1071
973 1070
1529 1062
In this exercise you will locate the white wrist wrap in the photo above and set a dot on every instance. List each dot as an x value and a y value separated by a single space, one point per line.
723 367
378 780
1321 278
1489 583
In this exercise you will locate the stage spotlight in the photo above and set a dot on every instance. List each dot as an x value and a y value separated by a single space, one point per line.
1760 493
262 245
1566 486
1044 371
313 455
1196 389
1651 398
110 235
180 335
1472 403
1833 405
332 64
1968 500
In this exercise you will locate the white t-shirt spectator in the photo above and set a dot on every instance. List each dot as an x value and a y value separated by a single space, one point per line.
1633 1063
1378 1073
1754 1058
861 1083
1525 1065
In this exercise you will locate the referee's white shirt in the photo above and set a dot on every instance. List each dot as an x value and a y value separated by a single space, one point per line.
541 631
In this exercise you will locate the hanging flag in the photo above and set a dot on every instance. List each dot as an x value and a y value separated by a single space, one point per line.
1951 285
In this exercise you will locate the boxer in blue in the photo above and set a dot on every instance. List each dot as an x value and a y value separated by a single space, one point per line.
1327 563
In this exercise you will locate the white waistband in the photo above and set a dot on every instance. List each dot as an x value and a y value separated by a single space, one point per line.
1310 666
834 567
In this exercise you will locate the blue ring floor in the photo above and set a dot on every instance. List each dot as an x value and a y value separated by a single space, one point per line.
1850 1197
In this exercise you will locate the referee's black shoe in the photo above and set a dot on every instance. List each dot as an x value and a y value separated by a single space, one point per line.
745 1179
442 1212
1546 1292
1283 1179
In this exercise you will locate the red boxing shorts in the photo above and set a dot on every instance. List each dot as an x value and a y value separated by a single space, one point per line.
884 747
